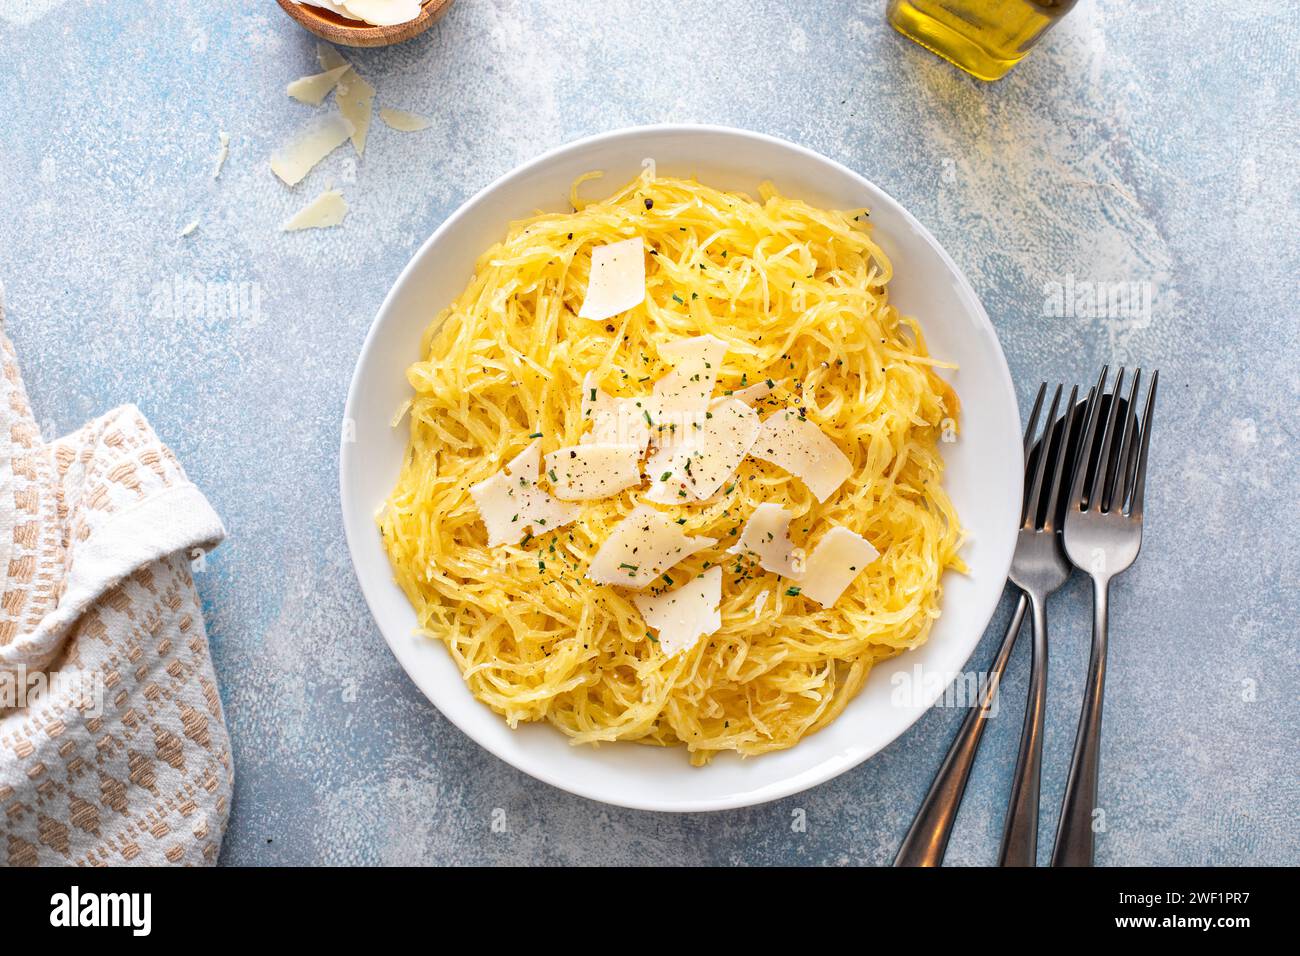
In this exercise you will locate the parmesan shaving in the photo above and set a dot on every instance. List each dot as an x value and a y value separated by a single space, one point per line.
383 13
511 503
355 99
616 282
591 471
327 209
702 454
403 121
641 547
684 615
614 421
223 150
695 363
379 13
790 441
328 57
839 557
313 143
767 537
312 90
751 395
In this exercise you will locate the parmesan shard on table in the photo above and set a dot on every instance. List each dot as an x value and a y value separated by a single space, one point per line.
792 442
404 122
313 143
591 471
355 99
223 150
327 209
312 90
511 503
767 537
684 615
641 547
839 557
616 282
329 58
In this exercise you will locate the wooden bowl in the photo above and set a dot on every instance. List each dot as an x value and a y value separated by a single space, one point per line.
336 29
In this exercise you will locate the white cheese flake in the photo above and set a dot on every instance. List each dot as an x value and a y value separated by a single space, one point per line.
751 395
641 547
327 209
684 615
380 13
403 121
767 537
355 99
313 143
614 421
617 279
591 471
511 503
688 388
312 90
223 150
328 57
839 557
792 442
702 453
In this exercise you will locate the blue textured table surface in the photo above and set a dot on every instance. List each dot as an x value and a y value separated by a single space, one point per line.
1134 146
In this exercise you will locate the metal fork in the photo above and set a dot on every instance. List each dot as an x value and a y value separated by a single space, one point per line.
1039 568
927 839
1102 535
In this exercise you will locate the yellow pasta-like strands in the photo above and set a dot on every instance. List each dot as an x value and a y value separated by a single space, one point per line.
800 295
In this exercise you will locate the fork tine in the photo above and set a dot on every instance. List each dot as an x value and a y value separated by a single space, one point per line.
1124 461
1102 477
1029 441
1033 419
1139 482
1085 442
1062 449
1040 466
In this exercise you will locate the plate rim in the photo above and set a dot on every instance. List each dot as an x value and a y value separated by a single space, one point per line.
795 783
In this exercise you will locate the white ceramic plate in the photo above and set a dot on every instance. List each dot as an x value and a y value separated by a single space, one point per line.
983 467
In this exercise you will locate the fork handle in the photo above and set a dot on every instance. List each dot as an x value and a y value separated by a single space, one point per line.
1074 834
1020 835
927 840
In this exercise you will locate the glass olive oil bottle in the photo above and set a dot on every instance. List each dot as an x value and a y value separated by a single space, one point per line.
986 38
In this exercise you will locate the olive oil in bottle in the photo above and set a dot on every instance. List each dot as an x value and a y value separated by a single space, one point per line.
986 38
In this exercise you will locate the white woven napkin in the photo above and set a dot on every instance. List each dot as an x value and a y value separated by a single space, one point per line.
113 749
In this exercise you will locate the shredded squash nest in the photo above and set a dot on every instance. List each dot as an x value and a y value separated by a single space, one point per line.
800 295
